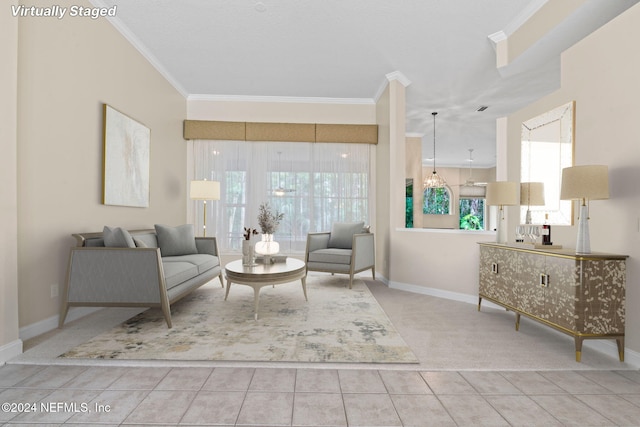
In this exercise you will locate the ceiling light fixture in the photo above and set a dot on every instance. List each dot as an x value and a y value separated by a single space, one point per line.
434 180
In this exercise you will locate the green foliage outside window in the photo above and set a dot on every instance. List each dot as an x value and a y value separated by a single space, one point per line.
472 214
436 201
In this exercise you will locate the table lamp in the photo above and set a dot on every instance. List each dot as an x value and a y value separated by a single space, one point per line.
205 190
584 183
502 193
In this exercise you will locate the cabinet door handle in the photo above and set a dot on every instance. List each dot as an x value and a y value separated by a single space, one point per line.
494 267
544 280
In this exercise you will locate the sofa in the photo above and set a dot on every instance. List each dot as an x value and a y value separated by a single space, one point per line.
348 248
140 268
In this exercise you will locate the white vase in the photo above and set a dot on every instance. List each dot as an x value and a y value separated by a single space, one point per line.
248 254
267 247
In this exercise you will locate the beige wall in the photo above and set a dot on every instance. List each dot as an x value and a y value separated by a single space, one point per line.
10 345
295 111
383 188
601 74
67 69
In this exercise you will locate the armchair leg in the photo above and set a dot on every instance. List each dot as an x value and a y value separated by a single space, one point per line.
373 272
221 280
351 281
63 314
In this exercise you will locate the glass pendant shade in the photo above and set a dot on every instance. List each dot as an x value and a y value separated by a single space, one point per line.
434 180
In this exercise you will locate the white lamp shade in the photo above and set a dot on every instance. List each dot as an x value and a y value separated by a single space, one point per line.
205 190
585 182
503 193
532 193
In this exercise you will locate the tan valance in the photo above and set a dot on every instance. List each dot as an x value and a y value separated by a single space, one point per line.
205 129
287 132
347 133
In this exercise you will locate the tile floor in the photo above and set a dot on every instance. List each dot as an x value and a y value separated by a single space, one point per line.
242 396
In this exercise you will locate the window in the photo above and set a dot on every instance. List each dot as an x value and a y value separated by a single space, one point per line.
471 214
437 201
313 184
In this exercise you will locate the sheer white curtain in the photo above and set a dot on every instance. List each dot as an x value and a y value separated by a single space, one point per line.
313 184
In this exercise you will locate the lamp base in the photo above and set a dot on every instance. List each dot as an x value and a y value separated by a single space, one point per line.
501 236
582 244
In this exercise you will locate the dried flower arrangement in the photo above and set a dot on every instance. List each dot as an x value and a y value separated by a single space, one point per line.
248 231
267 220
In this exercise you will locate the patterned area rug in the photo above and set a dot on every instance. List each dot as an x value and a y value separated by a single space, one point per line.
337 324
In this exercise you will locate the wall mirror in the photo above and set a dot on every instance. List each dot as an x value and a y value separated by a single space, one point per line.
547 146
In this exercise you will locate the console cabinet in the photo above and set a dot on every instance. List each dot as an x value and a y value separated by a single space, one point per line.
582 295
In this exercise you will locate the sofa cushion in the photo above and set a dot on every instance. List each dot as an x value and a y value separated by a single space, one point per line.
342 234
331 256
117 237
174 241
203 262
178 272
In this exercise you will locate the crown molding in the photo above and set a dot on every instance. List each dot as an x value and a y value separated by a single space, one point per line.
398 76
281 99
394 76
140 47
497 37
531 9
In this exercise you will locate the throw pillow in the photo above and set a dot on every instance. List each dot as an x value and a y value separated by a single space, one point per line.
342 234
175 241
116 237
139 243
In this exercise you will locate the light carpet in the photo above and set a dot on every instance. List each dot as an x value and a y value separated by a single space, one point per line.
337 324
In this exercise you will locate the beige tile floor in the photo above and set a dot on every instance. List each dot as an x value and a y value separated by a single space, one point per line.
243 396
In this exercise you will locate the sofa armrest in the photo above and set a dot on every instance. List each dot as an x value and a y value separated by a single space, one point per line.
363 251
100 275
316 241
207 245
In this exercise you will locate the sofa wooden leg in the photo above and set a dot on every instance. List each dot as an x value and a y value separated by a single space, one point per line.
221 280
166 310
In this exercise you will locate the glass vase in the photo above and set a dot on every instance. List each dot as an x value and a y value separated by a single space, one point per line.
267 247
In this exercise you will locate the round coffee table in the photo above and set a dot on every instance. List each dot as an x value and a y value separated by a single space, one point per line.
265 275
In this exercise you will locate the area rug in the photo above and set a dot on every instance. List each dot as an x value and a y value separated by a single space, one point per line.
337 324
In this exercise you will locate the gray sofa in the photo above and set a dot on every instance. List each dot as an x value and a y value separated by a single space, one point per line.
349 249
141 268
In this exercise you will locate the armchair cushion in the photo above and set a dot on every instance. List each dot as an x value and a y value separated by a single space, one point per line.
116 237
342 234
175 241
331 256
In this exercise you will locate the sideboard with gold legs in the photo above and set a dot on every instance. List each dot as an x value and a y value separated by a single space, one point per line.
582 295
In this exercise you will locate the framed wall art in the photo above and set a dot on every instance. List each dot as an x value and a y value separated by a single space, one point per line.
126 160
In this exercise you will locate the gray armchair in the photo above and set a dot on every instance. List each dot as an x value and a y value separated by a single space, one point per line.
346 249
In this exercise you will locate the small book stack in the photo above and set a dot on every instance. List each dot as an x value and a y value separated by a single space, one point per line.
274 259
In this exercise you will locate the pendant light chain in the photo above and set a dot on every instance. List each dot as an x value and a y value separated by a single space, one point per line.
434 141
435 180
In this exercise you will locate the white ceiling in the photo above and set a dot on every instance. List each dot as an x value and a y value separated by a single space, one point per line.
343 49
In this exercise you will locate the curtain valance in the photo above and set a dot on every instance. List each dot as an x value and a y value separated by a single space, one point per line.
280 132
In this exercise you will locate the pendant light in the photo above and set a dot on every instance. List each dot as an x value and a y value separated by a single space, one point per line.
434 180
280 190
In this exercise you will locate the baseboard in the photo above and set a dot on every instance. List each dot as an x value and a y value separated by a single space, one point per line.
10 350
608 347
439 293
51 323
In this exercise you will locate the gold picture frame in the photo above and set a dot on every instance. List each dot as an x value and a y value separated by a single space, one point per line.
126 160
